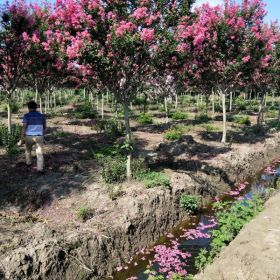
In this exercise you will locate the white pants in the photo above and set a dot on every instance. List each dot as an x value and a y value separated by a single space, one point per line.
38 141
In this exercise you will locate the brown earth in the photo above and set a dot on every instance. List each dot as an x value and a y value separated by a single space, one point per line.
255 253
40 234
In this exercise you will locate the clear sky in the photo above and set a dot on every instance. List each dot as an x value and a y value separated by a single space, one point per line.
273 7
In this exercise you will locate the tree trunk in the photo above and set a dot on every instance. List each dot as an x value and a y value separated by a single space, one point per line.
9 116
213 102
260 119
97 102
102 106
128 139
166 109
273 97
84 93
41 108
54 99
36 91
107 96
224 138
230 101
46 103
206 103
176 101
279 113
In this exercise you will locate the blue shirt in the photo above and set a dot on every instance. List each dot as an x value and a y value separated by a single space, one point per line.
35 123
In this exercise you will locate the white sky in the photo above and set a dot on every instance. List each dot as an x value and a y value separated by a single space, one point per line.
211 2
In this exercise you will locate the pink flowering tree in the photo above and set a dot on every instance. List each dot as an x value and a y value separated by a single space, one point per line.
16 22
115 40
228 44
47 68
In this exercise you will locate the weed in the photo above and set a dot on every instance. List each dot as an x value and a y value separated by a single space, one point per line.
154 179
83 213
174 133
202 118
240 103
145 118
112 127
113 169
231 217
211 128
179 115
9 140
85 111
243 120
189 203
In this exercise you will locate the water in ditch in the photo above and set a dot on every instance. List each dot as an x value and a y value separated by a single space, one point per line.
136 268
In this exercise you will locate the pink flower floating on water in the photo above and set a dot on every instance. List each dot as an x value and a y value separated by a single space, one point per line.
170 259
192 234
236 192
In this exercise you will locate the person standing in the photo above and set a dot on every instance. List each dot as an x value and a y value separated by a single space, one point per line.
32 133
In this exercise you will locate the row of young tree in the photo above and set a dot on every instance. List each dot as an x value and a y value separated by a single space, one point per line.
132 46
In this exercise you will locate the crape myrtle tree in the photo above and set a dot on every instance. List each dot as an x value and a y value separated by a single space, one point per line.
15 20
115 39
229 44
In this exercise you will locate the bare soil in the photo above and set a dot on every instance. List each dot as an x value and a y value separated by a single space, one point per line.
41 236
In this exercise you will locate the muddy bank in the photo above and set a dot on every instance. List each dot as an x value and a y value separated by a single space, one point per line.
255 253
93 250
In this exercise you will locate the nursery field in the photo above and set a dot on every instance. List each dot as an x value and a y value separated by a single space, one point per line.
139 140
84 189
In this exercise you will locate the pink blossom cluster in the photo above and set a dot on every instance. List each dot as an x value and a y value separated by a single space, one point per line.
147 35
171 260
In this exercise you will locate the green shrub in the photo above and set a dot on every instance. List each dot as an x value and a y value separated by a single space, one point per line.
14 107
201 107
174 133
9 141
179 115
83 213
218 108
112 127
189 203
144 118
139 101
211 128
154 179
243 120
231 218
202 118
240 103
85 111
112 161
271 114
113 169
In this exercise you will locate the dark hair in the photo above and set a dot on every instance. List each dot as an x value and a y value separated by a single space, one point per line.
32 105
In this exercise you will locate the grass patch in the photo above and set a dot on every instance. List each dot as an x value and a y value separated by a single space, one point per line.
201 118
242 120
144 118
174 133
154 179
178 115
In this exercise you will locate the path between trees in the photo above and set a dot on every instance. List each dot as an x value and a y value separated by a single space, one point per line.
255 252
